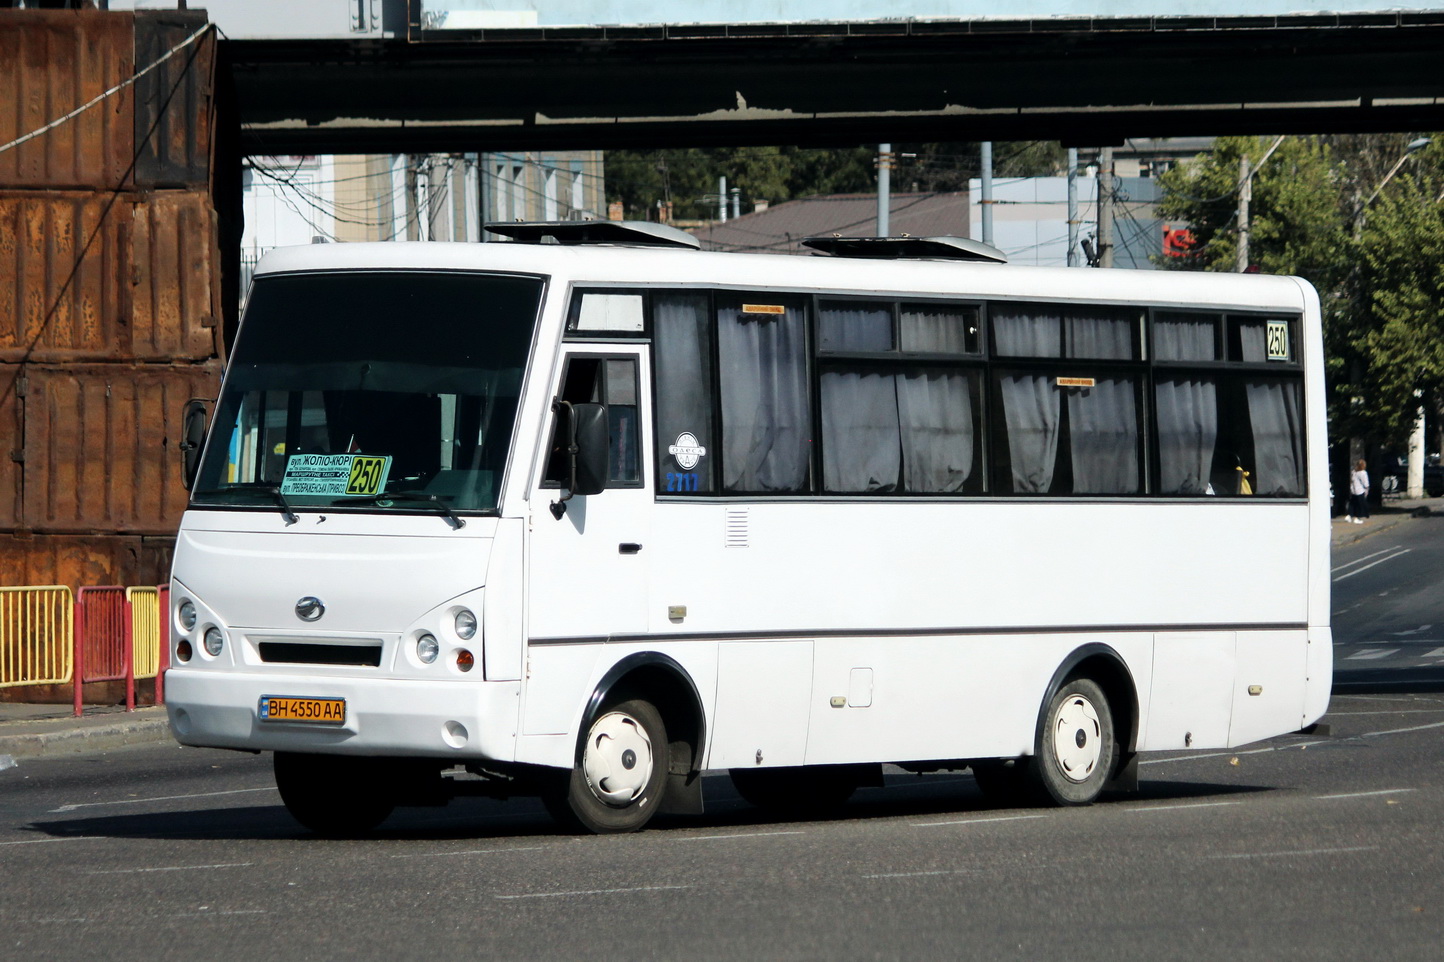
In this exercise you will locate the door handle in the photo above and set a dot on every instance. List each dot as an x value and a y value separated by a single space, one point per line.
628 547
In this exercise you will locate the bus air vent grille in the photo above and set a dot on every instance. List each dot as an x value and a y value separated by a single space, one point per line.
308 653
736 527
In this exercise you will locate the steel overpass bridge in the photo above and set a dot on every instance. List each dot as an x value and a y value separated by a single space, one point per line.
1085 81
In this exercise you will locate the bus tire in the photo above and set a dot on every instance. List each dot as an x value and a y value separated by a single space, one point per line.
796 791
617 783
334 795
1076 744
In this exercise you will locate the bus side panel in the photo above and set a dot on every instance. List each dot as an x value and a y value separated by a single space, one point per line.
502 627
1268 691
965 696
556 686
1320 675
1192 703
764 692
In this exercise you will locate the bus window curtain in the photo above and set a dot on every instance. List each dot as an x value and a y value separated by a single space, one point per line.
1278 442
935 329
1099 333
1104 422
1183 337
935 409
1031 411
765 421
860 448
855 328
1025 331
1187 433
682 349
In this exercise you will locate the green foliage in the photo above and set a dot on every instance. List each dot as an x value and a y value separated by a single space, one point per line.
1374 258
688 177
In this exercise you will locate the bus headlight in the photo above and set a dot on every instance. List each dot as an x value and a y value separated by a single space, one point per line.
427 648
187 615
465 624
213 641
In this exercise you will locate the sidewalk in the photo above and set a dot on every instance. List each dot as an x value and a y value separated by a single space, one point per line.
30 731
1393 513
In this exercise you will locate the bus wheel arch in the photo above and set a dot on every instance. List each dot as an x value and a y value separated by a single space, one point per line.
662 685
1092 691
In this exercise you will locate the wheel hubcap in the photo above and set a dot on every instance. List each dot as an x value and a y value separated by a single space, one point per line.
618 759
1077 738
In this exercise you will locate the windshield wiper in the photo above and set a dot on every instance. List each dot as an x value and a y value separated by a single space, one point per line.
457 521
274 490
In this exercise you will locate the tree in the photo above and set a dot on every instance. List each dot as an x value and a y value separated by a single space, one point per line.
687 177
1311 216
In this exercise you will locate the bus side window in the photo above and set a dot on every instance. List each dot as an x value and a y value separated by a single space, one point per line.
611 381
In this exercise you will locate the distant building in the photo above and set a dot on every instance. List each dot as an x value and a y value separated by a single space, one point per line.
417 197
1030 219
779 227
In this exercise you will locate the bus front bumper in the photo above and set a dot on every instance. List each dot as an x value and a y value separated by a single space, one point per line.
382 716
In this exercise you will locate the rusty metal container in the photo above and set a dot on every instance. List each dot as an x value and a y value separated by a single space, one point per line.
96 446
78 561
51 62
130 276
175 103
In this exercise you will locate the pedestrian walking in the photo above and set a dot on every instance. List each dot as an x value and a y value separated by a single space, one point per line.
1358 493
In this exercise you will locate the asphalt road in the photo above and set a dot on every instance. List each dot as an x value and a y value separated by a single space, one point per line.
1297 848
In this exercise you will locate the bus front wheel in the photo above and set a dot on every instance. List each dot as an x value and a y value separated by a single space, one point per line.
1076 744
334 795
618 780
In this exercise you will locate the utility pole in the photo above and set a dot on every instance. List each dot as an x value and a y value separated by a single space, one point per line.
884 188
1245 194
986 178
1072 206
1105 207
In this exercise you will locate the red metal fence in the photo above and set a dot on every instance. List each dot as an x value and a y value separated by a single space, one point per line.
122 633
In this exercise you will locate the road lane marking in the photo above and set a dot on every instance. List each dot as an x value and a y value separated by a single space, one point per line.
1382 791
1356 571
950 871
1174 808
1366 557
1436 653
168 868
975 821
1395 711
475 851
42 841
1400 731
1372 653
1307 851
158 798
1231 754
556 895
705 838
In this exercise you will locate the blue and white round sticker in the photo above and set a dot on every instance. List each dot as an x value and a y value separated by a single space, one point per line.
687 451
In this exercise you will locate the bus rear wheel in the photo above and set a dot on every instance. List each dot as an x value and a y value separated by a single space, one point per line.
617 783
335 795
1076 744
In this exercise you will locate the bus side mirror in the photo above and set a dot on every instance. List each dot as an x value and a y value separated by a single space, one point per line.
193 438
590 469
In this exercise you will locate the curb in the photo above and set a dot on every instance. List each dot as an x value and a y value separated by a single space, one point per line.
136 731
1353 537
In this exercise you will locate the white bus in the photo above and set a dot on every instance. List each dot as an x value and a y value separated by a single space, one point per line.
585 519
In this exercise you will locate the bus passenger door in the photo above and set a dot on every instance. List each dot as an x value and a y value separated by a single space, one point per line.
588 568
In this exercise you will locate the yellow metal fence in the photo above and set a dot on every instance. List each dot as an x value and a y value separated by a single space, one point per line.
37 635
145 630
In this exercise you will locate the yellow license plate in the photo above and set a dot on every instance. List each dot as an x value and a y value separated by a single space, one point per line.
314 711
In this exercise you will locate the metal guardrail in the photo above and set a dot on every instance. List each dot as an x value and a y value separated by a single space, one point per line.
37 635
121 634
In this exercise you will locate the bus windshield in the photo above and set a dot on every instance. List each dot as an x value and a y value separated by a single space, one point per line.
345 388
